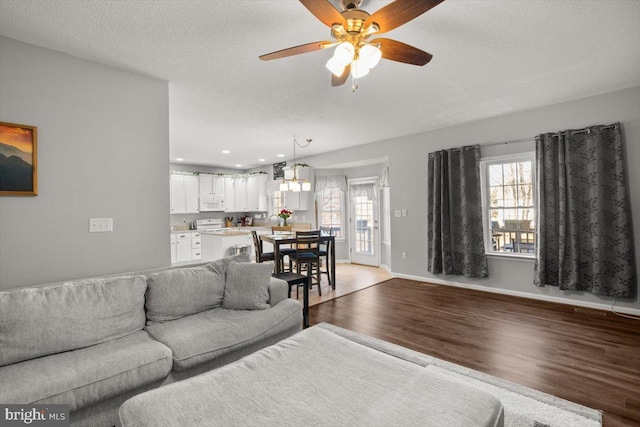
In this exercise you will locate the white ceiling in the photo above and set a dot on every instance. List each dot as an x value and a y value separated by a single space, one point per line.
490 58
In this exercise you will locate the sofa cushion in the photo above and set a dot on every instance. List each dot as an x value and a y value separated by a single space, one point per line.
247 286
51 319
86 376
205 336
179 292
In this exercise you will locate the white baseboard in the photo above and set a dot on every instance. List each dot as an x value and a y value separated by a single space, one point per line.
343 261
549 298
386 267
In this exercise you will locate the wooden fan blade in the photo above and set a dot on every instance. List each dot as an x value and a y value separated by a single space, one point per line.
325 12
399 12
296 50
400 52
339 81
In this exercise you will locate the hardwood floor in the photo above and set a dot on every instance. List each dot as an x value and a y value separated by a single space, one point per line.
587 356
349 278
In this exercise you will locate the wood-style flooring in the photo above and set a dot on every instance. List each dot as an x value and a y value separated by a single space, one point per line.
587 356
349 278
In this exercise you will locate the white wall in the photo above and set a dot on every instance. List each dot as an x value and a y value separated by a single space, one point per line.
103 151
408 180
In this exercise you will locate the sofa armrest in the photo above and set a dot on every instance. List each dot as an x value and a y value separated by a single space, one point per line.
278 291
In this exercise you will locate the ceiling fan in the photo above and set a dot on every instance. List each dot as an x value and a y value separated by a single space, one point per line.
352 29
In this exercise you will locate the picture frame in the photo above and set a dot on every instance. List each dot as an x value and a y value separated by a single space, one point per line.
278 170
18 160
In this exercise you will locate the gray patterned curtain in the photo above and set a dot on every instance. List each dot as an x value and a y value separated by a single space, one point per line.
456 242
585 240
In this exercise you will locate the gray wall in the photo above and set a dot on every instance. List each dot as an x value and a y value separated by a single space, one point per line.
408 179
103 151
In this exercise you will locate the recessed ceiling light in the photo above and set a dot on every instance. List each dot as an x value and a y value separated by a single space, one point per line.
238 166
225 151
280 155
261 160
180 159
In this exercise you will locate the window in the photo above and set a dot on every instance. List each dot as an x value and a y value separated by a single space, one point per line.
331 210
508 194
277 202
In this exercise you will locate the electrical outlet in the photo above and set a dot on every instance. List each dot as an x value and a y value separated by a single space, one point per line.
100 225
404 255
398 214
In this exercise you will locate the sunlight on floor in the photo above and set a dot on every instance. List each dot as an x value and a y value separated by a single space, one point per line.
350 278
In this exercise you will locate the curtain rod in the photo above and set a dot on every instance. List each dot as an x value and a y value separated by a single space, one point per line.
585 130
514 141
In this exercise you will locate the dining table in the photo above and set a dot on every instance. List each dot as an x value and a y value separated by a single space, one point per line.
280 239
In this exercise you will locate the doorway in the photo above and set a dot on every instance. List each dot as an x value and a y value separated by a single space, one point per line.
364 232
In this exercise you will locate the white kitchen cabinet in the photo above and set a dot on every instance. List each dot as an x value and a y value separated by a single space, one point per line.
196 246
230 194
181 247
212 192
257 193
211 184
240 187
184 193
246 193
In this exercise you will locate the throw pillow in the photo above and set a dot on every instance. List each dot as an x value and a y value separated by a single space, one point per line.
247 286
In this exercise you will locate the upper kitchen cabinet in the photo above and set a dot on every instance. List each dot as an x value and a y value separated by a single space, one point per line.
184 193
246 193
212 192
257 193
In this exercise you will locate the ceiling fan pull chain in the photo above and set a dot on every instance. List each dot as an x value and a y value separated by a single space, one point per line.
354 84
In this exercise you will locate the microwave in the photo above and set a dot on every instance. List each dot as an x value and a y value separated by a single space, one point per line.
212 203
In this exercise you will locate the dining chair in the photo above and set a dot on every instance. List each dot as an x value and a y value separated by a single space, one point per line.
325 249
284 250
307 255
257 247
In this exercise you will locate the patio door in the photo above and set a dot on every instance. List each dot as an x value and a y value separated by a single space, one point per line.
364 233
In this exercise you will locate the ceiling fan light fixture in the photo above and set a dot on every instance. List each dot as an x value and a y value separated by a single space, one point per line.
334 66
344 53
370 54
359 68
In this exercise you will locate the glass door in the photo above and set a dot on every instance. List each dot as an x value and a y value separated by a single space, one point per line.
364 230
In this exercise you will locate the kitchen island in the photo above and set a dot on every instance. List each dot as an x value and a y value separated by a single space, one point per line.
222 243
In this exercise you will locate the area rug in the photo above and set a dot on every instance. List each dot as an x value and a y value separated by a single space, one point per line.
523 406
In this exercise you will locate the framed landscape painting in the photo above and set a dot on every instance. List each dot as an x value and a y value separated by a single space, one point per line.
18 160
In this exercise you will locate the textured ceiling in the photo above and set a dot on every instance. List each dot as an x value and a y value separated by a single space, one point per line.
490 58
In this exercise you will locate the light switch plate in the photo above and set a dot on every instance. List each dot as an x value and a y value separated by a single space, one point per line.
398 214
100 225
404 212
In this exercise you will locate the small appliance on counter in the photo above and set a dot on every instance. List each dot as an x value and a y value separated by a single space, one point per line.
228 221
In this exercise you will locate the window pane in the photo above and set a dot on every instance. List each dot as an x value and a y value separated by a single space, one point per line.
525 172
525 195
495 175
496 197
510 196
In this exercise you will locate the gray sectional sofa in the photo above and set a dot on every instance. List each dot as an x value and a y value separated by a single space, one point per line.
94 343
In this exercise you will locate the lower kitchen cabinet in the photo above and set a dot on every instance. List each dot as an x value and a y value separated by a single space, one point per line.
186 246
